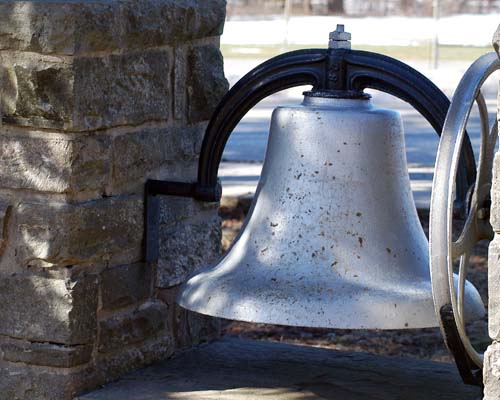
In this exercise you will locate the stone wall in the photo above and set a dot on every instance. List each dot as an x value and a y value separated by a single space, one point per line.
96 98
491 369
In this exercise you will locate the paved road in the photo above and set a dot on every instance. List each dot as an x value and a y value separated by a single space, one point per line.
244 153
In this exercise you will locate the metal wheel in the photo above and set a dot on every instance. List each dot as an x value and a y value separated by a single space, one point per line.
448 292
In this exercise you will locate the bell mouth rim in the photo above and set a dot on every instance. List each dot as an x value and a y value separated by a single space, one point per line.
338 94
414 311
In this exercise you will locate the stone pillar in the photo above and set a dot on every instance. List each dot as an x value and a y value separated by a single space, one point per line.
96 97
491 369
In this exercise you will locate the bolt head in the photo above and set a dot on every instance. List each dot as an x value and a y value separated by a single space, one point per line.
483 214
339 44
340 34
339 39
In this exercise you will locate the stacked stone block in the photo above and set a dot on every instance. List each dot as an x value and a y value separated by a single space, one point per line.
97 97
491 369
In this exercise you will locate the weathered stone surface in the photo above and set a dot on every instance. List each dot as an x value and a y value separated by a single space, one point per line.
149 152
186 171
496 40
156 23
25 26
5 219
87 93
237 369
188 328
133 327
206 82
39 93
495 195
36 383
138 153
491 372
61 235
46 354
48 310
200 329
90 165
176 209
125 285
122 89
9 89
90 160
110 366
97 26
79 27
186 244
494 288
491 368
188 140
21 382
94 101
36 91
54 164
180 75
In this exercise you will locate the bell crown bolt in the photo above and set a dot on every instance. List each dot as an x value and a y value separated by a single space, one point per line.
339 39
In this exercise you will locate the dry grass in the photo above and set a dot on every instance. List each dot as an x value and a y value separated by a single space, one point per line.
405 53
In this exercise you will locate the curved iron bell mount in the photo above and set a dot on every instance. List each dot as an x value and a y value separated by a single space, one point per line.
341 72
444 251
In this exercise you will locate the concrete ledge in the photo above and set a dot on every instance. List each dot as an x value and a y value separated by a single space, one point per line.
251 370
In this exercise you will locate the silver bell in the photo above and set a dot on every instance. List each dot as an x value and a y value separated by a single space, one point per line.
332 238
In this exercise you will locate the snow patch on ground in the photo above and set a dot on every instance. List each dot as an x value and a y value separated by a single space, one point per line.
459 30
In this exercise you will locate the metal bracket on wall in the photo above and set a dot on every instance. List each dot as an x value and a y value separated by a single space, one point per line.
152 190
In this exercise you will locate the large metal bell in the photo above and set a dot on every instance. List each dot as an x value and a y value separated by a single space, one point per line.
332 238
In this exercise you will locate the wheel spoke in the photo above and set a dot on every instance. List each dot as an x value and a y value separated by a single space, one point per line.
492 141
462 274
468 237
457 301
484 164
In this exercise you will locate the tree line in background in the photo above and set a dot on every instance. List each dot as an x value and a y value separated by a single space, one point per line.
363 7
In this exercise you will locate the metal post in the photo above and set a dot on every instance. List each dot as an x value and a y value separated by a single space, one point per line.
435 42
306 6
286 12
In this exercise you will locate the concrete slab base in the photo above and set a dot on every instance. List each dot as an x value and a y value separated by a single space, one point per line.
233 369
